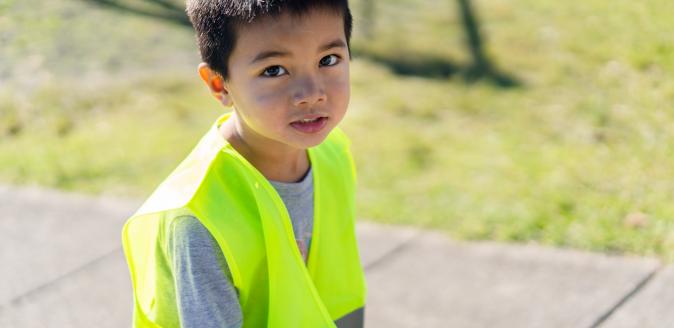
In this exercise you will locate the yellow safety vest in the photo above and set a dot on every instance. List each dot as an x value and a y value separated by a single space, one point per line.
251 225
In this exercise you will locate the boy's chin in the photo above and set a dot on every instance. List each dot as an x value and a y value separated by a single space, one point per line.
312 141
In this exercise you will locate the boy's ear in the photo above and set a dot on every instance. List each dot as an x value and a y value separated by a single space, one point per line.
215 83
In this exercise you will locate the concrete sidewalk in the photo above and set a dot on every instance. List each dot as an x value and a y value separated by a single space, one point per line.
62 266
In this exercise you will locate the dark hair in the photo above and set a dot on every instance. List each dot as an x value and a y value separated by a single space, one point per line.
215 22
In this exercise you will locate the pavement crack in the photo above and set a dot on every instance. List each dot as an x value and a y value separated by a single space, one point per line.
392 253
627 297
36 290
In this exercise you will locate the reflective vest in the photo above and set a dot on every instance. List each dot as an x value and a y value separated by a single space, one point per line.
250 223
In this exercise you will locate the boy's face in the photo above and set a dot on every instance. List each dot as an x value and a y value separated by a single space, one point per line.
289 78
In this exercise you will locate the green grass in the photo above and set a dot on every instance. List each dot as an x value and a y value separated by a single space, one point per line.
579 155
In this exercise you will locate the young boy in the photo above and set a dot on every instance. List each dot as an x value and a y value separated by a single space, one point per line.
255 228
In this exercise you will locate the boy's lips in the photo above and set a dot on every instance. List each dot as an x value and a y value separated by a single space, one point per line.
309 117
310 123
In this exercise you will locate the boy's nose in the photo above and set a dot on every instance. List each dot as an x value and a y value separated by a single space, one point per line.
308 92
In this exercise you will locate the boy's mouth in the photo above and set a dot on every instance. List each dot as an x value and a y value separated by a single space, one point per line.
310 125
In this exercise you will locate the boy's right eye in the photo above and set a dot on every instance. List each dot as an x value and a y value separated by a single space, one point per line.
273 71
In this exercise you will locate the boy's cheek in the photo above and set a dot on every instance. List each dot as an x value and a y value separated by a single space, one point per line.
262 93
340 80
340 88
269 99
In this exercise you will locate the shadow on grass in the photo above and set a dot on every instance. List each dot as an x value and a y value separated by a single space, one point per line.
414 64
436 67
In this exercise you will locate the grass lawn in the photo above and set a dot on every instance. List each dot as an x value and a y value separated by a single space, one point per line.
578 155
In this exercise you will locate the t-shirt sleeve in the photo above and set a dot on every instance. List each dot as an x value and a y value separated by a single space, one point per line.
206 296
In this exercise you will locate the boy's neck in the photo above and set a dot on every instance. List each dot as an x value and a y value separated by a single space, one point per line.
275 163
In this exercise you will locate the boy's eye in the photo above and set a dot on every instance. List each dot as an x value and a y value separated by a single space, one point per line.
273 71
329 60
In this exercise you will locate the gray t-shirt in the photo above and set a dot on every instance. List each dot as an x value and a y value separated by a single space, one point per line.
206 296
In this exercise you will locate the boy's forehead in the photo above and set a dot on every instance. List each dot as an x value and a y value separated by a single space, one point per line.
314 26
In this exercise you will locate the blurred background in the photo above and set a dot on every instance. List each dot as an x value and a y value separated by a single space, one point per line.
512 120
521 121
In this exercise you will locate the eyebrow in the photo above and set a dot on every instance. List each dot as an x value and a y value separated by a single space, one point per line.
334 44
276 53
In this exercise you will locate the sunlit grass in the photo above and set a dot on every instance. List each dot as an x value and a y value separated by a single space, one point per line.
579 156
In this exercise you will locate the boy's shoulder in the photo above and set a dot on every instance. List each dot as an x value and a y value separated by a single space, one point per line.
180 185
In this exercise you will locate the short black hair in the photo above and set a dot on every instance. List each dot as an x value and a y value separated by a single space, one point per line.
215 22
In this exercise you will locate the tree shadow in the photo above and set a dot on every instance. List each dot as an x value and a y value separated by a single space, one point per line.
411 64
436 67
166 10
481 67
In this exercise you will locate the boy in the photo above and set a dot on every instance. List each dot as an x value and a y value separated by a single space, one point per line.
255 227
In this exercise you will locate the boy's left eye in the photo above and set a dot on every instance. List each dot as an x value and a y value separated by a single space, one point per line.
329 60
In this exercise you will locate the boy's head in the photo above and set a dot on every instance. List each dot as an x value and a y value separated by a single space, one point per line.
216 22
282 65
